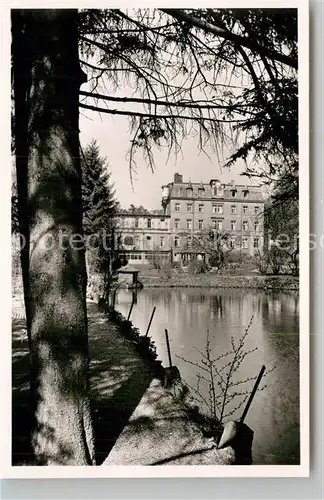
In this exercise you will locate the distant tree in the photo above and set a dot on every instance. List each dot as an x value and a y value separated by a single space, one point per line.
133 210
281 225
215 245
99 209
98 195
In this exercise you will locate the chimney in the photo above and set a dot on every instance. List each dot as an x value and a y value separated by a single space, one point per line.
178 179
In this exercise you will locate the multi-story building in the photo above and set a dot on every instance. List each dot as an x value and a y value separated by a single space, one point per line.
144 236
224 209
191 211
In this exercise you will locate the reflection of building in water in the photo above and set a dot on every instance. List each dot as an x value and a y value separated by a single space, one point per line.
281 312
216 306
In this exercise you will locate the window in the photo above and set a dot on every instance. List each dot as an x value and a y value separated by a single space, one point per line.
200 224
177 242
256 242
162 220
233 209
245 194
136 222
189 207
176 223
220 192
217 209
148 238
233 193
128 240
149 223
256 209
231 243
177 207
245 225
189 191
189 241
245 209
201 191
233 225
245 243
215 191
256 226
201 207
217 224
162 241
189 223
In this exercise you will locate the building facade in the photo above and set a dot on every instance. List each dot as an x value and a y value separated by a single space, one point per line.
191 212
144 236
197 209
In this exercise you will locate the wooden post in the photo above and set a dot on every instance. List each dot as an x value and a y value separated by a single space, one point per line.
248 404
168 347
130 310
149 325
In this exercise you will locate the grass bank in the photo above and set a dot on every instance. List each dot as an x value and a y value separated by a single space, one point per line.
210 280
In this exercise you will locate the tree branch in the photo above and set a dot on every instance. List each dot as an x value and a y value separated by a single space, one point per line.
150 115
178 104
180 15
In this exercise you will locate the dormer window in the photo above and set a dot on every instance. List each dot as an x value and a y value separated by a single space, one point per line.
245 192
189 189
233 189
201 190
220 191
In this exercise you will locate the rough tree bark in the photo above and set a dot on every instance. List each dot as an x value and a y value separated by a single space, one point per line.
47 77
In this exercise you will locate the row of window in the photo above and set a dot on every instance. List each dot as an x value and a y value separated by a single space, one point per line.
216 191
217 209
256 244
148 223
146 256
232 243
216 224
130 241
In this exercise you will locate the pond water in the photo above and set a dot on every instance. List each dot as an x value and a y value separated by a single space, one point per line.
188 313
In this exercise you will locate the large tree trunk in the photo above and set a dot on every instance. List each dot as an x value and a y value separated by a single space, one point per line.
47 77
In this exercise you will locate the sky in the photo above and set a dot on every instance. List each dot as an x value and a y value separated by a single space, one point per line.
113 137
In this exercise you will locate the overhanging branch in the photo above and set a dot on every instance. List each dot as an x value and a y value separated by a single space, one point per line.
180 15
155 116
178 104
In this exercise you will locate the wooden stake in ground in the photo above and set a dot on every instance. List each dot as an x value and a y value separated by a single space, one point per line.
149 325
168 347
131 308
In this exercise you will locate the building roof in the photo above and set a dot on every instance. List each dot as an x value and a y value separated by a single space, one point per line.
128 269
150 215
179 190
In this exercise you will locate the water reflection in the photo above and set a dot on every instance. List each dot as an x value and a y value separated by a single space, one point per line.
189 313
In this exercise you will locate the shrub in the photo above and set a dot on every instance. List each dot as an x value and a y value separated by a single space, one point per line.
197 267
223 395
